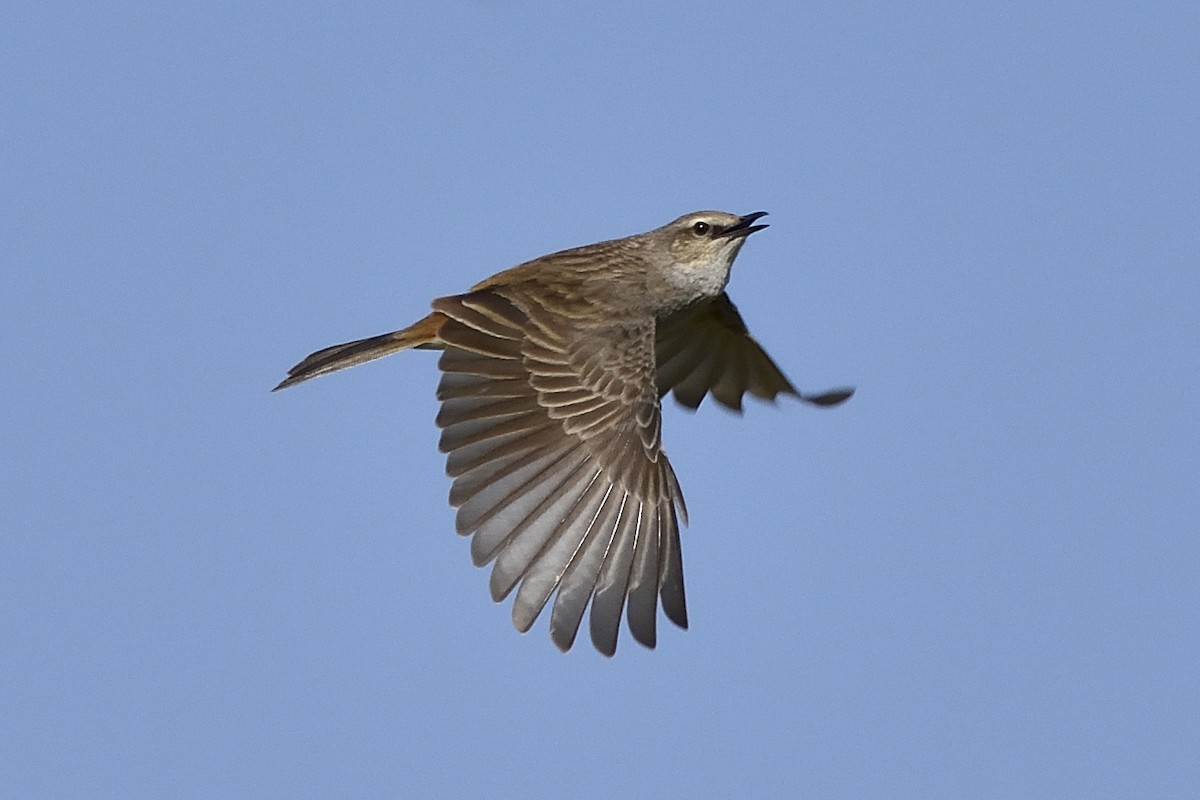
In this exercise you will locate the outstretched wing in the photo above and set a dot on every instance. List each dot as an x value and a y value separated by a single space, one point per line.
706 348
552 431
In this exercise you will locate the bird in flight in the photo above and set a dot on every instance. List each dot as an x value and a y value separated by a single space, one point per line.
552 377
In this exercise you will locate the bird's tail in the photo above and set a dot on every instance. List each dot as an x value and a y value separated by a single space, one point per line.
423 333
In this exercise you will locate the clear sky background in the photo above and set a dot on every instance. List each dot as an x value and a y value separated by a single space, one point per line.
977 579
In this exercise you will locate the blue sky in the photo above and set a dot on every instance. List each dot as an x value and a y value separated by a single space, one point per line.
976 579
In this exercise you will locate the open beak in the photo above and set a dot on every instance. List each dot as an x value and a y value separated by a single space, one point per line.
744 226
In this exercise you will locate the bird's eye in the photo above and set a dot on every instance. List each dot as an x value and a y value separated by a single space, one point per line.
701 228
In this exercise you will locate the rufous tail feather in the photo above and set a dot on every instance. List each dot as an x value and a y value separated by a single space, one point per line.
423 334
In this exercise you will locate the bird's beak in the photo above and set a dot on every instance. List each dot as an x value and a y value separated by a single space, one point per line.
744 227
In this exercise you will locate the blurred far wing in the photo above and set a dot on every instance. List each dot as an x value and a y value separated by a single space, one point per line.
706 348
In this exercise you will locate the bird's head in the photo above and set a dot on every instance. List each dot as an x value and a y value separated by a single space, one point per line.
702 246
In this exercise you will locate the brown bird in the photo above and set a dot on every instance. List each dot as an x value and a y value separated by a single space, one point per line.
552 373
